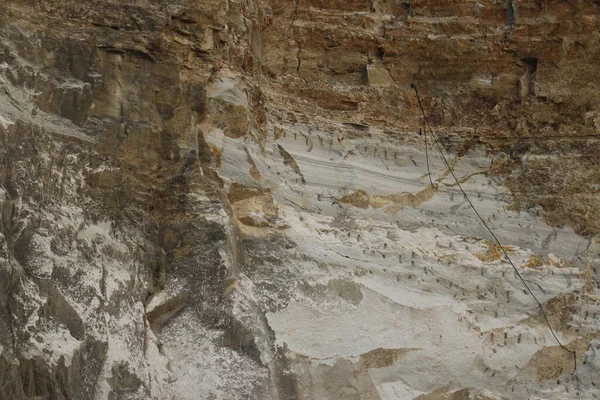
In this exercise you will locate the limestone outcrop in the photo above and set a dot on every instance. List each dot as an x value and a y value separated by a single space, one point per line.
230 199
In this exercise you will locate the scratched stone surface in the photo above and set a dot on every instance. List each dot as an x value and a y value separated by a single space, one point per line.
230 199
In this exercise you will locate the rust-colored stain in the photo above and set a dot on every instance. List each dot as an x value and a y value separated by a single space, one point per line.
216 152
494 252
534 262
393 202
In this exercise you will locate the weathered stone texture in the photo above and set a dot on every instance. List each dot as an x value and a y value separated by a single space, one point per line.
228 199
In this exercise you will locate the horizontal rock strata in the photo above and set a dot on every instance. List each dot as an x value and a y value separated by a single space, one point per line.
240 199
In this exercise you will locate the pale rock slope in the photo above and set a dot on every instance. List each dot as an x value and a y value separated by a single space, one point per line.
230 199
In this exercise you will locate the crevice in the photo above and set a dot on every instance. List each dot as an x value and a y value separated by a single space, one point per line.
298 58
402 9
146 327
184 19
511 14
289 160
295 13
163 313
136 52
527 81
9 312
103 283
530 64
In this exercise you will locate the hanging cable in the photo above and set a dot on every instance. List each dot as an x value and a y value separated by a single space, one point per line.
427 156
427 126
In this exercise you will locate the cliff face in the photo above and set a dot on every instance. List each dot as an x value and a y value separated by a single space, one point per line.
229 199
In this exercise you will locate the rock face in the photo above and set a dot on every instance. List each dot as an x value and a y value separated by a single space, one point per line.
230 199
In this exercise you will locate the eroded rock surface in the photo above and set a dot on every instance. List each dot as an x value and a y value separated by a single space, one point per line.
229 199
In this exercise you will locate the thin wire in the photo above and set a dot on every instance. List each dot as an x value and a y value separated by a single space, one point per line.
426 146
581 301
427 156
574 352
